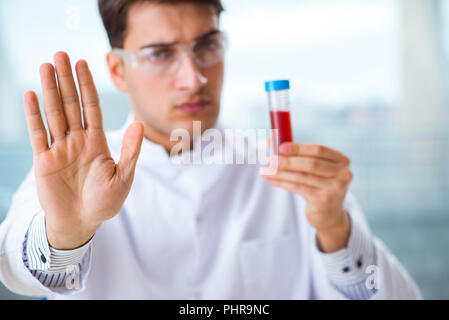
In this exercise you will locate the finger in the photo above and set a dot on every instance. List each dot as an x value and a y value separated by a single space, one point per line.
68 92
131 144
313 150
35 124
306 191
306 179
89 97
319 167
52 103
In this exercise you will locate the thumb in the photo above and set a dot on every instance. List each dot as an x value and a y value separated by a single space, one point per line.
131 144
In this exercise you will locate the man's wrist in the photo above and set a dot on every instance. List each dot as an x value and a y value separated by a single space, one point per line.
347 267
77 237
41 256
335 238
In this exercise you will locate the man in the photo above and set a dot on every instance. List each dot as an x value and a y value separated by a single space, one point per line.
83 226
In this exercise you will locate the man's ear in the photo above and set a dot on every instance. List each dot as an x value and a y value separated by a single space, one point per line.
116 71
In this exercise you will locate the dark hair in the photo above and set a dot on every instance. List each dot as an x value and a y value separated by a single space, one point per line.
114 14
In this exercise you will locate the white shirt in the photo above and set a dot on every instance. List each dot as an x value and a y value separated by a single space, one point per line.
197 232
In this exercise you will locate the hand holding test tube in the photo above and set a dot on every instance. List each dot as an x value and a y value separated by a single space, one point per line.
319 174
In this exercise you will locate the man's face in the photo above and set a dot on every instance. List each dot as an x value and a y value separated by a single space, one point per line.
156 99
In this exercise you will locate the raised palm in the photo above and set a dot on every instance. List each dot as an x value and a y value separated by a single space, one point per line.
78 183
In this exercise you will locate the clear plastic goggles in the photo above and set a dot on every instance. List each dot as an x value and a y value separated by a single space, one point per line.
164 59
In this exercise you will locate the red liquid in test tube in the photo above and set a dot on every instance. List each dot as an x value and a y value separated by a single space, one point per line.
279 104
281 120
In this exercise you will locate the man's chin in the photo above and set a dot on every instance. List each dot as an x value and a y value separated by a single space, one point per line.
195 123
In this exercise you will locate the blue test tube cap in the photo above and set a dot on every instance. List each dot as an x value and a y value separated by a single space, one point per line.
277 85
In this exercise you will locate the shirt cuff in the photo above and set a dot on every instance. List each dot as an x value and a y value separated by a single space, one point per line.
348 266
43 257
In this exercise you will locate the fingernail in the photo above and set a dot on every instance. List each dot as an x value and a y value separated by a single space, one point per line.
267 171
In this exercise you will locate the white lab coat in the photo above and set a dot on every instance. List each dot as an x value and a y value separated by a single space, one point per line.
197 232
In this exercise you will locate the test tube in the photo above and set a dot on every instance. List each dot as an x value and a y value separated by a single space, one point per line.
279 106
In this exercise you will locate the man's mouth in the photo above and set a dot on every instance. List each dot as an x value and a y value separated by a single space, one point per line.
193 106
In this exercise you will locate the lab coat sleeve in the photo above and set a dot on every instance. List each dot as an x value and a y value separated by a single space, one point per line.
366 260
345 268
63 271
14 274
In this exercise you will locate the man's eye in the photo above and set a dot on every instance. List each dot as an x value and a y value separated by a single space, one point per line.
158 55
211 44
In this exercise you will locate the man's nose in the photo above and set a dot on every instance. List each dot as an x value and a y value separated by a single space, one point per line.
188 76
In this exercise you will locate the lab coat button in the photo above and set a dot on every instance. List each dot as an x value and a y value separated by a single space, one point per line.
359 262
43 259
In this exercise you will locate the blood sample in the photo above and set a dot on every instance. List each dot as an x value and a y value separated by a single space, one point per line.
279 106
